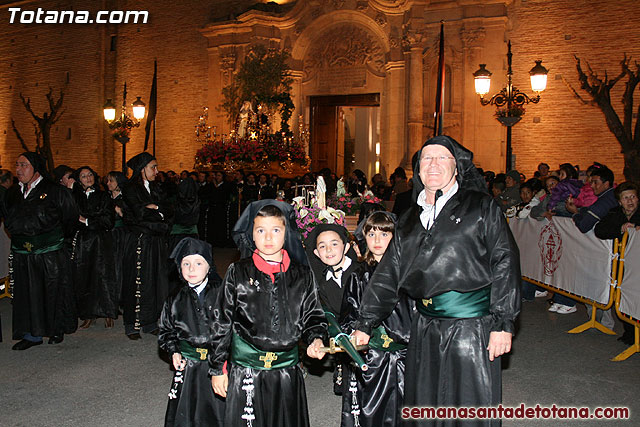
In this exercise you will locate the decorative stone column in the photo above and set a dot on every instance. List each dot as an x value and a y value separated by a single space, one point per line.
416 94
394 149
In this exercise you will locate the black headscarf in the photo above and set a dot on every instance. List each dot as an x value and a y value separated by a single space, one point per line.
243 230
359 233
190 246
138 162
96 178
468 176
312 238
120 178
38 162
60 171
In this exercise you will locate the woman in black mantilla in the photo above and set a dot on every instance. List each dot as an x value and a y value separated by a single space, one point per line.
186 333
147 215
454 254
93 252
116 181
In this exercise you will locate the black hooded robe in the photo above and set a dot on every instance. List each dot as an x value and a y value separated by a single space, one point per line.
93 256
374 398
272 316
190 318
186 213
43 299
468 248
145 290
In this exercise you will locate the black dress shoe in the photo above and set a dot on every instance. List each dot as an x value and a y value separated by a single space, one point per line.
56 339
25 344
134 337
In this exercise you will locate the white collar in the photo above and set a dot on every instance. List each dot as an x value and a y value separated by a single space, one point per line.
200 287
31 187
147 186
427 216
345 265
89 191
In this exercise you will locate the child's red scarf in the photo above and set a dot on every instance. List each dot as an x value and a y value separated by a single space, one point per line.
271 268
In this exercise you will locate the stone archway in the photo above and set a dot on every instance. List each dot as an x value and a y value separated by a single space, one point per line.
346 53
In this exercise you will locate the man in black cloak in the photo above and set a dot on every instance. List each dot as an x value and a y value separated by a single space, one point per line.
38 214
454 254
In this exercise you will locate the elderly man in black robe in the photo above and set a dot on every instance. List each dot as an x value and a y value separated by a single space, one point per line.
38 213
454 254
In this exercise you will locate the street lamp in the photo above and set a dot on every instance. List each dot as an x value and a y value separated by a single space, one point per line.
510 100
125 123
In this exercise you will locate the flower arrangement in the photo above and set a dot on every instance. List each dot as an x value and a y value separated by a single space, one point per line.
272 147
513 111
307 217
351 205
121 132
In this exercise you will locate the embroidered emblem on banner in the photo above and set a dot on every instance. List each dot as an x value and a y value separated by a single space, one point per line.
550 244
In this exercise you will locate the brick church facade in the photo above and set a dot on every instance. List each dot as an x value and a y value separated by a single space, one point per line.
383 51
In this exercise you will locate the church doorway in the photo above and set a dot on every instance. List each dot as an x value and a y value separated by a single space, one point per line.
345 133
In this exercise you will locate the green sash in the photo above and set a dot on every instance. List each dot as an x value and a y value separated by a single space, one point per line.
457 305
193 353
247 355
184 229
119 223
39 244
380 340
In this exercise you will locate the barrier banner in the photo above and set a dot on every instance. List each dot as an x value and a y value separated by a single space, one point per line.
558 254
630 286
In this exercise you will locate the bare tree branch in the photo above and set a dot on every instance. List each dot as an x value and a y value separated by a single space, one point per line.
15 129
576 94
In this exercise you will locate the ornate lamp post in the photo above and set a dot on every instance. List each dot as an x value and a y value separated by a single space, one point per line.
510 100
125 123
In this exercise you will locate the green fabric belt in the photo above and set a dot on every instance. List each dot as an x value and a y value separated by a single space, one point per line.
380 340
119 223
184 229
38 244
247 355
459 305
193 353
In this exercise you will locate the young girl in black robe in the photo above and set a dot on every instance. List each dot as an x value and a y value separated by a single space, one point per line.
374 397
186 326
93 255
269 303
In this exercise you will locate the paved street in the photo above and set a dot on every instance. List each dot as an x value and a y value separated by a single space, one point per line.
98 377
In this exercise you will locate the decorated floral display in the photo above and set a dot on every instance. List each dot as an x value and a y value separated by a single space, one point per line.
256 150
307 217
351 205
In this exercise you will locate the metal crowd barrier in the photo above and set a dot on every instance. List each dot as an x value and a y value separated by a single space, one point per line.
592 323
635 347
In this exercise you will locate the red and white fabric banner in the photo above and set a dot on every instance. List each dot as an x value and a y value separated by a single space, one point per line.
558 254
630 286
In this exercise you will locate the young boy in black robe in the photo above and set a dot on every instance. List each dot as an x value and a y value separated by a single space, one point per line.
332 261
269 304
186 325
